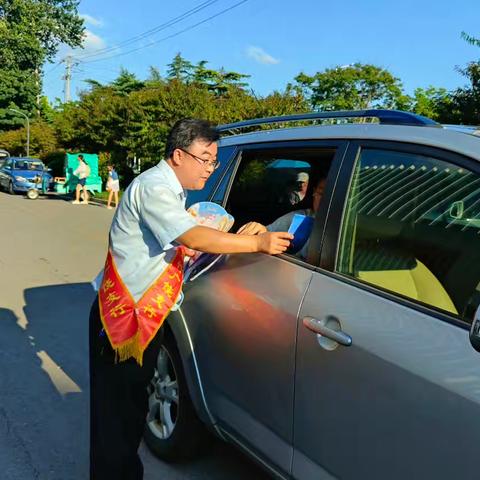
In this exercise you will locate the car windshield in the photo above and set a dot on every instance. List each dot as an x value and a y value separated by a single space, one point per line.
26 165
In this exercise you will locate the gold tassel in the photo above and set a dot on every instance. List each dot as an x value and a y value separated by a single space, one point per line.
130 349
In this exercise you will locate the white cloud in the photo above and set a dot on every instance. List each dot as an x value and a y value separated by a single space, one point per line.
92 42
261 56
91 20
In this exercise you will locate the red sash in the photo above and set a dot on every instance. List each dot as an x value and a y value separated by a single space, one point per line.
131 326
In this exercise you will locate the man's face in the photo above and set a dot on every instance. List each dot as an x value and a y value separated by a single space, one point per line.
302 186
197 164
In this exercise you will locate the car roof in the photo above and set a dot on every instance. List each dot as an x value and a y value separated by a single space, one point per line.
433 136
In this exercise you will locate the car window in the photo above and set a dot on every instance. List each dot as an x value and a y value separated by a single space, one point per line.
28 165
411 226
271 186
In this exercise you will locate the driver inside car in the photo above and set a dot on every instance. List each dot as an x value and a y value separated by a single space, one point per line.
282 224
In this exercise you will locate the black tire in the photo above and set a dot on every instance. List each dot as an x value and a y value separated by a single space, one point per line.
11 191
182 436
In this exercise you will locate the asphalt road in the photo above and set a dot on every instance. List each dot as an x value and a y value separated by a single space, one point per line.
49 252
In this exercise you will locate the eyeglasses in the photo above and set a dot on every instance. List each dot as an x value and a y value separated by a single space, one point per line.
206 163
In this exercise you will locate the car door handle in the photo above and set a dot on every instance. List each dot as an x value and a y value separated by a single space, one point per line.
323 328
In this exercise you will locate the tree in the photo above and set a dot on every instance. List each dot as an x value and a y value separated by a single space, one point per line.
180 69
353 87
126 83
18 90
30 34
219 82
42 140
432 102
155 75
465 101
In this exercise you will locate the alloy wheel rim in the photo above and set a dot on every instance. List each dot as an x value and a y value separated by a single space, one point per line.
163 399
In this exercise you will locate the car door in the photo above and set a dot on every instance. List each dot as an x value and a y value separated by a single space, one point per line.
243 313
387 384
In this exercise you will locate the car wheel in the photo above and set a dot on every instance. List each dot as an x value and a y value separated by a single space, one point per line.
173 431
33 194
11 191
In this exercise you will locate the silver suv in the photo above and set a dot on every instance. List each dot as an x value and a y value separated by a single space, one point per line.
358 359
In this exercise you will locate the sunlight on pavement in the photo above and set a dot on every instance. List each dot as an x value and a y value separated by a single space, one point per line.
62 382
22 322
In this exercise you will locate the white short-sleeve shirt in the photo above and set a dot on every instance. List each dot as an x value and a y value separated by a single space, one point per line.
151 215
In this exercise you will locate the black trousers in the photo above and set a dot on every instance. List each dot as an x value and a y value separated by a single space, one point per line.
118 406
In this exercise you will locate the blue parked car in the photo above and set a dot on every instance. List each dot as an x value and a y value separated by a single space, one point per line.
24 175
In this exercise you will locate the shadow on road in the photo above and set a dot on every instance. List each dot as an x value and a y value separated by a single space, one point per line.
44 382
57 318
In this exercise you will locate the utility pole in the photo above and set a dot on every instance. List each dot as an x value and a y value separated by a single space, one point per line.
68 76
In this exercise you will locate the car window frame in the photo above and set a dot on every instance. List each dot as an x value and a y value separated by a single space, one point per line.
332 237
317 236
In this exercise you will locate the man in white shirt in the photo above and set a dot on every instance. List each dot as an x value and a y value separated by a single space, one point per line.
148 227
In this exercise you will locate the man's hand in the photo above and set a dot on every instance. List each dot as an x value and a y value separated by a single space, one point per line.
252 228
273 243
189 252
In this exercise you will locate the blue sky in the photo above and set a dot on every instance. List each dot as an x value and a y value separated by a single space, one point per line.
274 40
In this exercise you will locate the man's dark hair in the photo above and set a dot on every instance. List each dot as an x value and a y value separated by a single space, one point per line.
81 157
186 131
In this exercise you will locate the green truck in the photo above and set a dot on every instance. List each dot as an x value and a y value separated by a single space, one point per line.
68 183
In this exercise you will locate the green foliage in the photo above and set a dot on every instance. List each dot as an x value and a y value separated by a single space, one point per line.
17 90
252 176
42 140
104 159
124 123
32 30
432 102
353 87
465 107
30 34
180 69
56 162
471 40
465 101
126 83
218 82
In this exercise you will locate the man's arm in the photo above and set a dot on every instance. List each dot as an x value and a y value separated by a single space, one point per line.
205 239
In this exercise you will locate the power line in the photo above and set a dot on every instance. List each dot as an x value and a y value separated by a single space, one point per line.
169 36
150 32
52 69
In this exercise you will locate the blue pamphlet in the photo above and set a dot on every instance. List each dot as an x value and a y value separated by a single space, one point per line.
301 228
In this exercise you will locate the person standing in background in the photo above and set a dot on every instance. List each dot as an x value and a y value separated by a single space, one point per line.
113 186
82 172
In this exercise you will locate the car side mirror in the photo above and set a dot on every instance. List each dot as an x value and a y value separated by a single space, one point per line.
475 331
